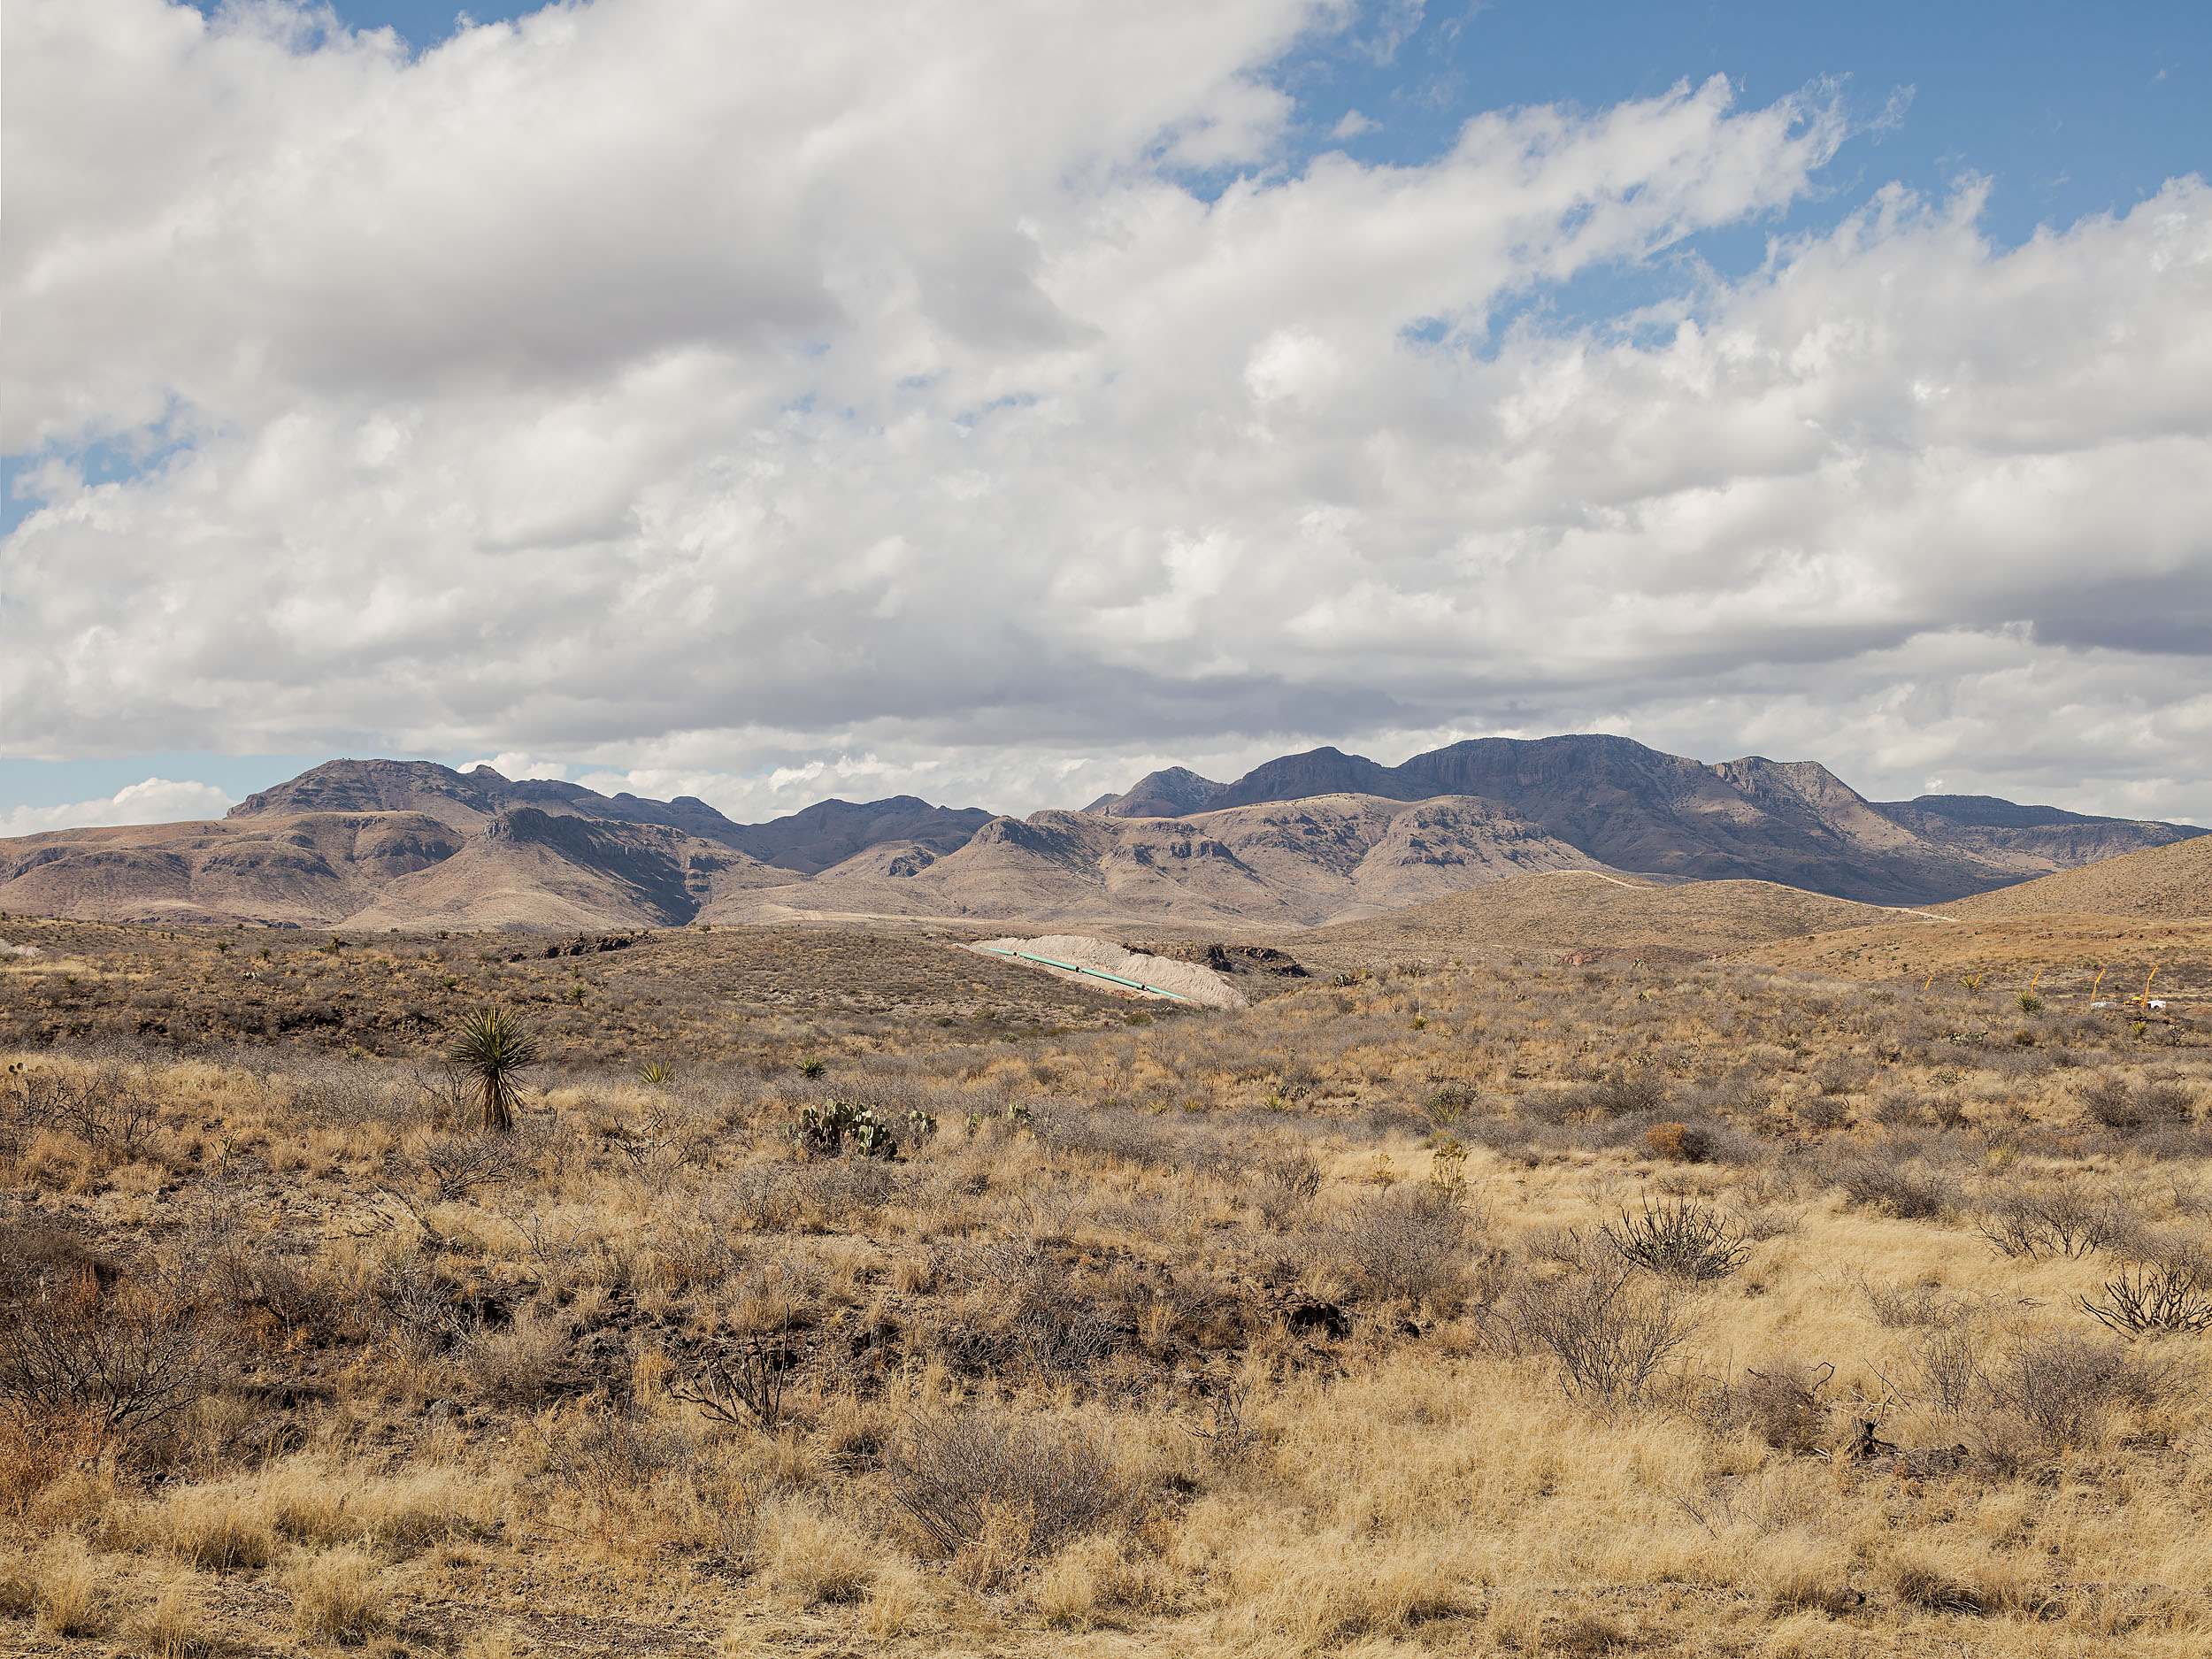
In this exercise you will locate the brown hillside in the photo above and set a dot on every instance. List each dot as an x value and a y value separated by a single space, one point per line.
2067 958
1269 867
2159 881
525 868
305 870
2079 935
534 870
1275 866
1592 917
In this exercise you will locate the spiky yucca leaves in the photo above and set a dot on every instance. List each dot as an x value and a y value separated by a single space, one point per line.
492 1045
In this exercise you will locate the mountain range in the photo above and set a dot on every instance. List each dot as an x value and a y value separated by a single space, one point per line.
1634 807
1301 841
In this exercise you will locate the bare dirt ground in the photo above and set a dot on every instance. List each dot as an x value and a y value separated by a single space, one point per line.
1421 1306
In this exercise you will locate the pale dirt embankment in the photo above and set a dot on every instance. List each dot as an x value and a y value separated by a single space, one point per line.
1183 980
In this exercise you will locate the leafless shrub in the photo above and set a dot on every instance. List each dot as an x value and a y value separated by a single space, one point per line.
613 1453
1779 1401
1059 1331
135 1354
1947 1369
1287 1181
784 1197
668 1135
1620 1093
1225 1430
2172 1141
1894 1187
442 1095
262 1290
1824 1112
104 1106
2109 1102
763 1198
455 1165
1895 1108
1844 1074
2065 1387
1562 1246
559 1247
1412 1245
973 1348
1762 1222
1037 1484
2156 1298
1043 1317
418 1299
1610 1331
2032 1222
1507 1137
1121 1137
1003 1264
1681 1239
743 1386
848 1195
1917 1307
511 1366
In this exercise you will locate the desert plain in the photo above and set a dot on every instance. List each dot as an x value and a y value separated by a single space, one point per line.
1569 1266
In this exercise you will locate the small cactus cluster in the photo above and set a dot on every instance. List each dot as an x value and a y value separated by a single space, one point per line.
828 1128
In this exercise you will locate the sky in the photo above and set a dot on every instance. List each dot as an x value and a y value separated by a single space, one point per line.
994 402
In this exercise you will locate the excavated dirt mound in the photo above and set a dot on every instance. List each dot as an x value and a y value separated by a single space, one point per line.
1257 970
1189 981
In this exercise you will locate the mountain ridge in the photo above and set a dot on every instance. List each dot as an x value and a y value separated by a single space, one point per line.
1639 809
1300 841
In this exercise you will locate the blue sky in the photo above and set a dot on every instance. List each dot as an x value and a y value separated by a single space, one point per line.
2063 111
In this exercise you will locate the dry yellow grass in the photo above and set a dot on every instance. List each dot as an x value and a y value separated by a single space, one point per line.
1225 1333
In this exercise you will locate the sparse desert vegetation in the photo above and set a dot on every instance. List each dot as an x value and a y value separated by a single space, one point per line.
1427 1304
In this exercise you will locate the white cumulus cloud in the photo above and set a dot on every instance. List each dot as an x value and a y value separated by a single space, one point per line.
156 801
797 401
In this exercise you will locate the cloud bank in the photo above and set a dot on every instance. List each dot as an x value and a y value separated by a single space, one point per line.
766 401
156 801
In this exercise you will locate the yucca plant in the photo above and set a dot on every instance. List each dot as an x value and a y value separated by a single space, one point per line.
492 1045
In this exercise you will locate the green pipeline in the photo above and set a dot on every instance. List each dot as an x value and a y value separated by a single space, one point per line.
1077 967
